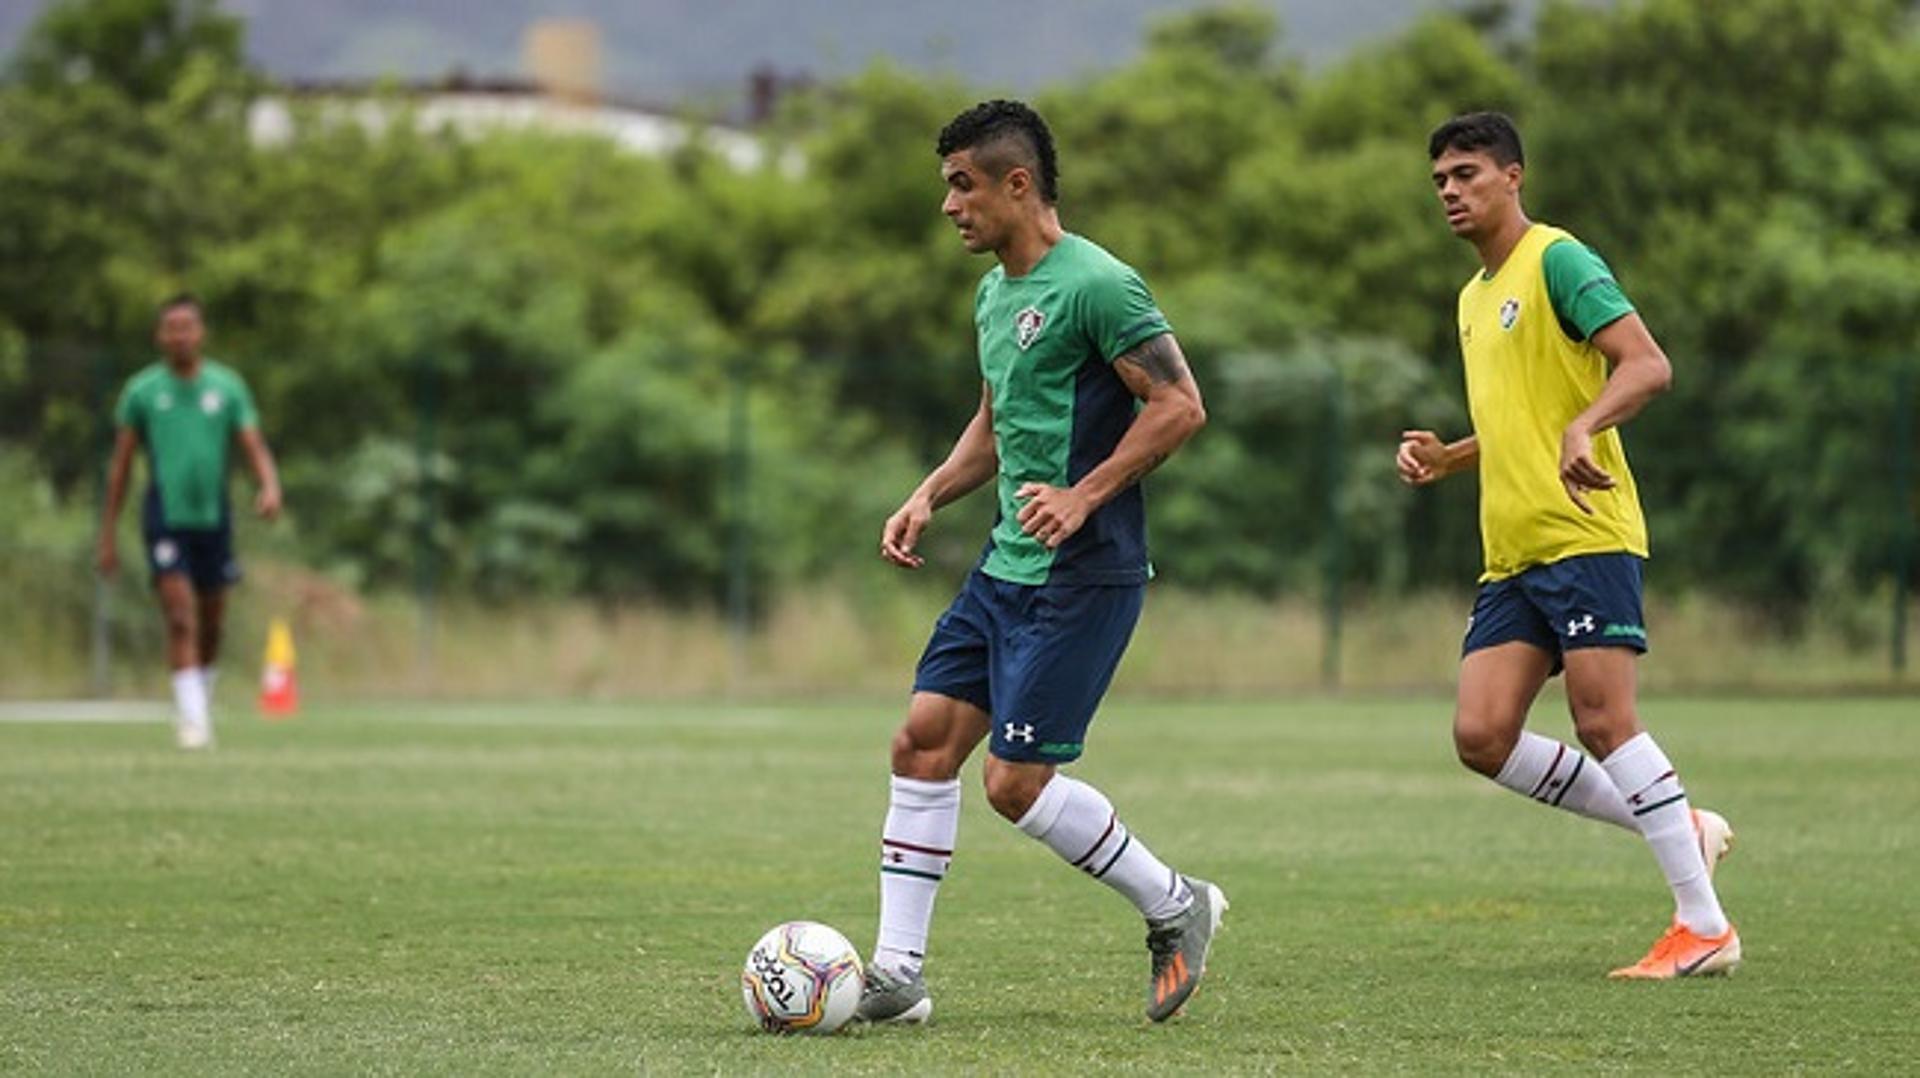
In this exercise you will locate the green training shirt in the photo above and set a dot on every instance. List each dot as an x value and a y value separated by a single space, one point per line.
186 427
1585 296
1586 299
1047 342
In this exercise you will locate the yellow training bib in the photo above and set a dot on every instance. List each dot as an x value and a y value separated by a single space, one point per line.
1526 380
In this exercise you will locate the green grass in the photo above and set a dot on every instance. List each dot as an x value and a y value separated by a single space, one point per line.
569 888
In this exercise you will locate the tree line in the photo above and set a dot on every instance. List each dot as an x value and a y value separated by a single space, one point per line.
535 354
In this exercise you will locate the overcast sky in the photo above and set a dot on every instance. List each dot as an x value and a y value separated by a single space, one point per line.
671 49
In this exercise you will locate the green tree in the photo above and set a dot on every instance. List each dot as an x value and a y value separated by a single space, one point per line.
137 48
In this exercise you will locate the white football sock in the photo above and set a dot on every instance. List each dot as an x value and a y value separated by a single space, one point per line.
210 677
916 846
190 697
1077 822
1659 806
1561 776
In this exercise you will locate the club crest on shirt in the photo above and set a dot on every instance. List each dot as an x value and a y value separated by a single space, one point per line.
210 402
1026 327
1509 313
163 402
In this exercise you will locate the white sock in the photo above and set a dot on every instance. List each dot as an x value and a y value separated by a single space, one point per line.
210 677
190 697
1563 777
1077 822
1659 806
916 846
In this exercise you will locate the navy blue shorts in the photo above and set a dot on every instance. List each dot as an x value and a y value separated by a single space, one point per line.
1587 601
204 554
1036 658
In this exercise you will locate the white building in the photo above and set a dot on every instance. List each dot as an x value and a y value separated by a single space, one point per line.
474 109
562 95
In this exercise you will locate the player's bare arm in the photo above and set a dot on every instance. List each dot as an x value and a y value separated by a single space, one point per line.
118 470
1640 372
1156 372
267 501
971 463
1423 458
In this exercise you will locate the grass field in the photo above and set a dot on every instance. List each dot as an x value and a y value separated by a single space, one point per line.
567 888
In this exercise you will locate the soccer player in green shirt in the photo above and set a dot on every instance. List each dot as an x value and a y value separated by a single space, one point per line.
185 412
1085 391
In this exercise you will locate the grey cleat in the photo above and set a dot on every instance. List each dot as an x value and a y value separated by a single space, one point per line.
897 998
1179 947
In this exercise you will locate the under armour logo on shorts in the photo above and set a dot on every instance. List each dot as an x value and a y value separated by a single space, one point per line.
1022 733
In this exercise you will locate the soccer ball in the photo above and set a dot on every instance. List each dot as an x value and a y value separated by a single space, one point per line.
802 977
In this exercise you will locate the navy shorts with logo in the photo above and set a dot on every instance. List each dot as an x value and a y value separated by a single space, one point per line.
1036 658
1586 601
204 554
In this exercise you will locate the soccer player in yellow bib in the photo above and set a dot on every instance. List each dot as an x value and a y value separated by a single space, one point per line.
1556 359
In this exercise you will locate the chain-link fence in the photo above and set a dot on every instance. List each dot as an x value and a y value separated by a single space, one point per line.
423 538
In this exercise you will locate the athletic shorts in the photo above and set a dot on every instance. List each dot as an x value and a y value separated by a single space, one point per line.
1036 658
1587 601
204 554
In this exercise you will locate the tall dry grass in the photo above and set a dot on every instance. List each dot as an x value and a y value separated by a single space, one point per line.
862 639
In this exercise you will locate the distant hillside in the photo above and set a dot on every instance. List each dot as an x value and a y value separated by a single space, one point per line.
673 50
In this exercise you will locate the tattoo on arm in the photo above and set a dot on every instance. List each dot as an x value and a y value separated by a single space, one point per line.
1140 471
1159 356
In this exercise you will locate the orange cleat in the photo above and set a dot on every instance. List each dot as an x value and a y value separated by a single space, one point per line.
1681 953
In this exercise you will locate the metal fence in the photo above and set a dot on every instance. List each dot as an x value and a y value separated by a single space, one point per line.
50 561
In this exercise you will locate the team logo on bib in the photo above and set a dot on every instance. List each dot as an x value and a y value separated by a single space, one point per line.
210 402
1509 313
1026 327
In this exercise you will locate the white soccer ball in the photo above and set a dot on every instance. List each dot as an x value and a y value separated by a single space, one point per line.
802 977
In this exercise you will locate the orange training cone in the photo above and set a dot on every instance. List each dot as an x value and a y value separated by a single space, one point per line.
279 696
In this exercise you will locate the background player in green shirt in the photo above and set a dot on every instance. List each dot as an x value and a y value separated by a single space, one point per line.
186 411
1084 392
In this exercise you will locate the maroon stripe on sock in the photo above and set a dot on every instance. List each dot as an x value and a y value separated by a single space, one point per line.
1112 820
1643 790
1578 763
897 844
1560 751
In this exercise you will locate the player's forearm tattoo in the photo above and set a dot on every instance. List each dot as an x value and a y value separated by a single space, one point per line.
1140 470
1159 356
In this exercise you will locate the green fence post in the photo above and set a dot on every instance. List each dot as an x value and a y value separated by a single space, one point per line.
739 523
425 555
1903 500
1334 554
100 659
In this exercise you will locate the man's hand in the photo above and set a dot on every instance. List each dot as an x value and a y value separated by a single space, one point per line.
1578 472
1052 514
903 530
108 558
267 502
1422 458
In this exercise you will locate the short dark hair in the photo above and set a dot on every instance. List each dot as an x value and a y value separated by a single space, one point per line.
176 301
1490 131
1015 124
